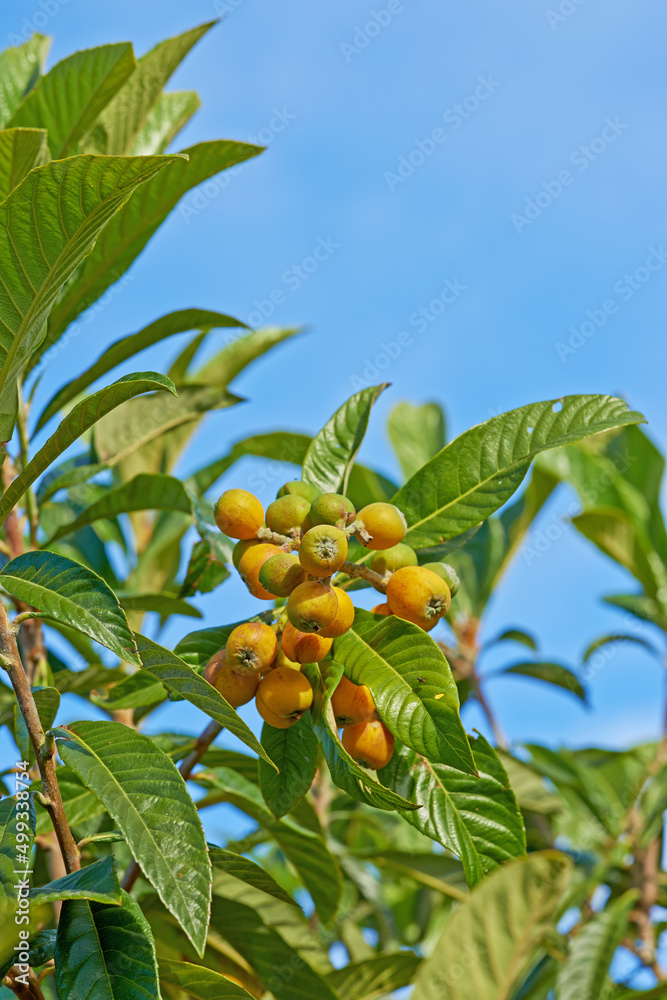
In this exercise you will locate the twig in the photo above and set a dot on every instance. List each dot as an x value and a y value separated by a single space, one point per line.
365 573
187 764
11 660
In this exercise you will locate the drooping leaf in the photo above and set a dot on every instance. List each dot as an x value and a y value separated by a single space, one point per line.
345 772
199 982
97 881
20 68
411 684
124 117
105 952
417 433
476 818
489 939
69 98
144 492
247 871
614 638
330 455
21 149
642 607
294 752
17 833
167 326
178 676
147 798
515 635
376 977
585 973
550 673
125 237
78 420
73 595
165 120
479 471
48 225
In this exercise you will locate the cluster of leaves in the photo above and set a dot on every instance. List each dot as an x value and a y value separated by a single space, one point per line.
439 871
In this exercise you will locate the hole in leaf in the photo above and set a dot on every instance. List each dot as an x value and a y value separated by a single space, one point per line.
558 406
530 430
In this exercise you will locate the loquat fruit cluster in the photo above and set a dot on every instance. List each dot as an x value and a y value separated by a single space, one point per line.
291 553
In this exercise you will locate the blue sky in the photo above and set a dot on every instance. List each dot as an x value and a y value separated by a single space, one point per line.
513 151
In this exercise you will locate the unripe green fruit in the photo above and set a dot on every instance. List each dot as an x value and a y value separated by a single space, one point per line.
323 550
447 573
299 489
312 606
389 560
287 513
332 508
282 573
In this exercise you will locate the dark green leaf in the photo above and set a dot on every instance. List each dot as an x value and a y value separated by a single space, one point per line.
247 871
134 691
479 471
21 149
515 635
417 433
411 684
162 604
69 98
146 796
199 982
74 596
47 702
98 881
80 418
294 752
105 952
178 676
477 819
615 637
330 455
376 977
551 673
205 571
48 225
123 350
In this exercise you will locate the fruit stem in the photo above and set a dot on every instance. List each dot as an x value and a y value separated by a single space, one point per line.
362 572
284 541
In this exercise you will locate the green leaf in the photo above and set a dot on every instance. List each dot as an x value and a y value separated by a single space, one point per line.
197 648
619 536
479 471
489 939
615 637
146 796
74 596
178 676
206 570
642 607
160 603
550 673
21 149
411 684
345 772
48 225
376 977
294 752
199 982
144 492
47 702
135 691
477 819
69 98
105 952
281 446
125 237
224 366
515 635
72 472
16 838
143 420
585 973
249 872
126 115
77 422
80 804
167 326
165 120
98 881
330 455
417 433
587 786
20 68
